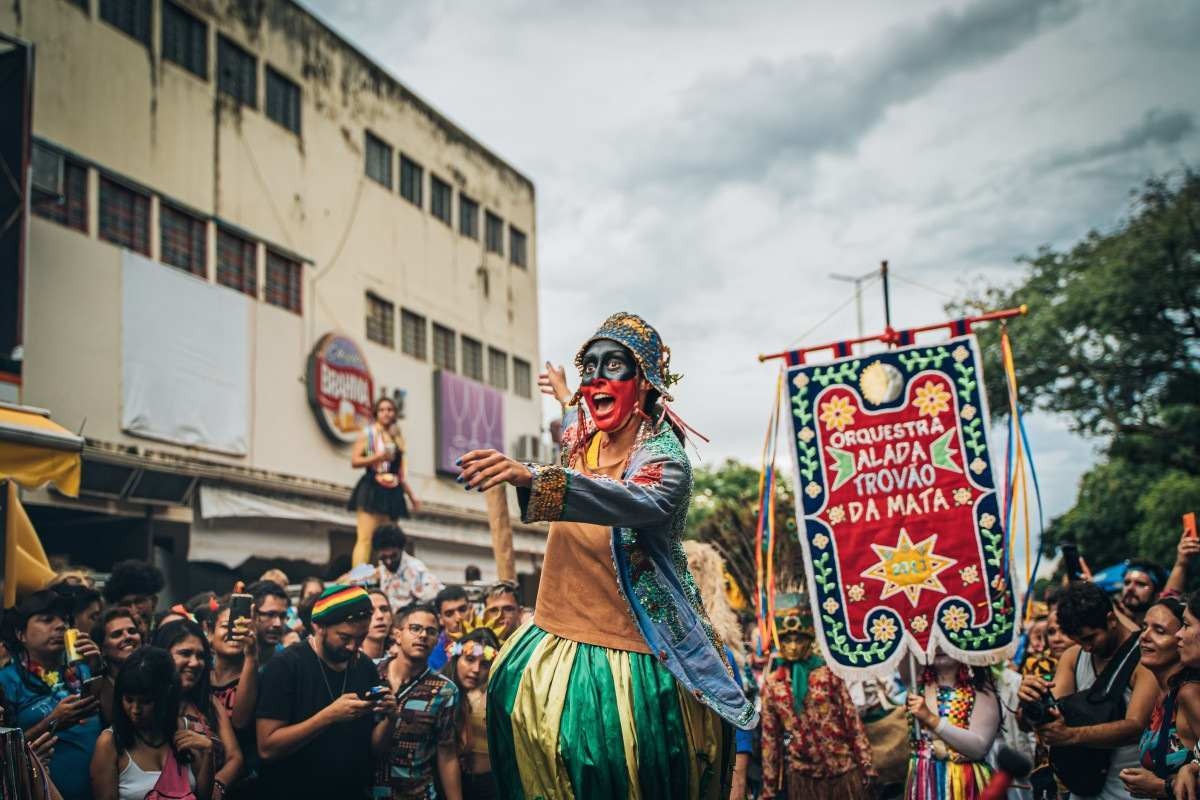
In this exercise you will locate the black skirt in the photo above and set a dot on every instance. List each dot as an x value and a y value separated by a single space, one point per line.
368 495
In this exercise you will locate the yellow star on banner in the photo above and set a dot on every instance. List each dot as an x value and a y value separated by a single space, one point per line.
908 567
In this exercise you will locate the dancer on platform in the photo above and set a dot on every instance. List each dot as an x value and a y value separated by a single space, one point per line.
958 714
382 494
814 745
618 687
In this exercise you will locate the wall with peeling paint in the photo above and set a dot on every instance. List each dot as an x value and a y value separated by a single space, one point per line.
107 98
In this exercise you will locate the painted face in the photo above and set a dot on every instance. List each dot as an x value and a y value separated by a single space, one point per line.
609 384
795 646
1138 592
1188 637
1160 649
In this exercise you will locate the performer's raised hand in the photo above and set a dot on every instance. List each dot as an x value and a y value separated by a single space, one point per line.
483 469
553 382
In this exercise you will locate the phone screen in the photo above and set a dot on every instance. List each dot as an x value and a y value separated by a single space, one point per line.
1189 524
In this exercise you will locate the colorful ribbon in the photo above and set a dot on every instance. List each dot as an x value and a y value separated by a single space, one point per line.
764 544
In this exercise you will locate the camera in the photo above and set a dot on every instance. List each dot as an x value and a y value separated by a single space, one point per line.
1038 713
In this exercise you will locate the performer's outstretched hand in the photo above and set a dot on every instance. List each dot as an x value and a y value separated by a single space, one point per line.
554 383
483 469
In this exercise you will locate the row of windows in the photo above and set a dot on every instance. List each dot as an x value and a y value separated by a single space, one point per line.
381 329
185 42
183 236
441 201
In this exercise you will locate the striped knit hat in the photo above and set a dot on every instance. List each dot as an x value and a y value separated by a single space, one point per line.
339 603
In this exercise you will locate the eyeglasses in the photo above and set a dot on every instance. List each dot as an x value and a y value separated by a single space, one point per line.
421 630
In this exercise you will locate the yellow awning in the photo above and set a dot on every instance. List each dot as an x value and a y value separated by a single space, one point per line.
35 451
26 568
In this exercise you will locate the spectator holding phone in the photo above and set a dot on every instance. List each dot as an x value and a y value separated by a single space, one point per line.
234 685
43 691
424 737
319 725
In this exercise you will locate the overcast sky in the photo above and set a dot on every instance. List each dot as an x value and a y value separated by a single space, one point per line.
708 164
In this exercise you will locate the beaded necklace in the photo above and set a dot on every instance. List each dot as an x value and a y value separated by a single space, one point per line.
955 704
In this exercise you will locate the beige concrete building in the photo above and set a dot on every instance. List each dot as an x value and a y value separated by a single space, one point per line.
225 194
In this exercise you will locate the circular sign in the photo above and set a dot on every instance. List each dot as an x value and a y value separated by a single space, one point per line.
340 387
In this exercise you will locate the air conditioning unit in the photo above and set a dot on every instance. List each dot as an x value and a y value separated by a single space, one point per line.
47 172
528 448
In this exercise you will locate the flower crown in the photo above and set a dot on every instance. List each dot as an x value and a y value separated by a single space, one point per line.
458 648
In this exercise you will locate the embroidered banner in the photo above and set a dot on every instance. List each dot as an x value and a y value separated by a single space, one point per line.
900 518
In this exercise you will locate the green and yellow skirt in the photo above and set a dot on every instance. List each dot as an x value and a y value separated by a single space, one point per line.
572 721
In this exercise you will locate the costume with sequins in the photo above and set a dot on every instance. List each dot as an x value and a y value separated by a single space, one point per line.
636 700
936 771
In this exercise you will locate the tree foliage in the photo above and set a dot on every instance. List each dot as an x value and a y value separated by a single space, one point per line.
724 513
1112 341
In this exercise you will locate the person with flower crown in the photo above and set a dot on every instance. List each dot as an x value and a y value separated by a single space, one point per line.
814 745
470 652
618 686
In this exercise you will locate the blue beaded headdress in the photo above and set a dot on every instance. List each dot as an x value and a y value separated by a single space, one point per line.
643 341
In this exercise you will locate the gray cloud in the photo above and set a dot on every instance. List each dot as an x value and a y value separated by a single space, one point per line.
740 125
1157 127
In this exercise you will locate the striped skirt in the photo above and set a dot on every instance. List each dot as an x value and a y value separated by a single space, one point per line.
572 721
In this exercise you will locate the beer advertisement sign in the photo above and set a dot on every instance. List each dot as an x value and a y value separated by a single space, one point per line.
340 387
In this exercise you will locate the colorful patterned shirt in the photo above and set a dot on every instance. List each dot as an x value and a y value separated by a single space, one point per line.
826 741
426 722
412 581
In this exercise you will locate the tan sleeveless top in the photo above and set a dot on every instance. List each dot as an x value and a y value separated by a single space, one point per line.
578 598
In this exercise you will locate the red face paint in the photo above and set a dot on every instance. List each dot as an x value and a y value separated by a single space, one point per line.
610 402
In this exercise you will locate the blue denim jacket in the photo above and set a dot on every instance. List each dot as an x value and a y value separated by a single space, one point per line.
647 510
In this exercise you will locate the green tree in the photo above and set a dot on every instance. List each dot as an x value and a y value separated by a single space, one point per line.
724 513
1112 341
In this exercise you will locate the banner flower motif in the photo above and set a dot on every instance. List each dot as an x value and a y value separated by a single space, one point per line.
897 508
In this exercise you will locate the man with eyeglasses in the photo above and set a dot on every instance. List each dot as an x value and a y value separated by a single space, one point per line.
270 612
424 737
501 603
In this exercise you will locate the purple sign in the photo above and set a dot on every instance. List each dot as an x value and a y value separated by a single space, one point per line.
467 416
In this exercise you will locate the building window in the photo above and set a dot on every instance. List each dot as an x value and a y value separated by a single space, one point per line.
522 378
284 277
283 101
237 262
124 216
516 247
497 368
237 72
131 16
68 206
381 321
495 234
412 334
184 39
182 239
472 358
468 217
379 160
440 198
412 177
443 348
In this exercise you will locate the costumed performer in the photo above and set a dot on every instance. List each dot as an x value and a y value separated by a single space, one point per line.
958 714
618 687
814 745
382 494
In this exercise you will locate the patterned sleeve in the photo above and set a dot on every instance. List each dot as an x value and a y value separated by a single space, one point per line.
444 727
772 742
647 498
860 745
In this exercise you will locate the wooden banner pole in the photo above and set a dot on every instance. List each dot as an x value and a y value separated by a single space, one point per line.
501 527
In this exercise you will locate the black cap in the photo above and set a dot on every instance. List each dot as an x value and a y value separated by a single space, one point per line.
46 601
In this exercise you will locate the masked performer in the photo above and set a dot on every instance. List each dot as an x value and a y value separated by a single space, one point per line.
618 687
814 746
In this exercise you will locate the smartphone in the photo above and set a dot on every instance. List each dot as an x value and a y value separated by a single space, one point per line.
373 694
92 686
1189 524
239 607
1072 566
